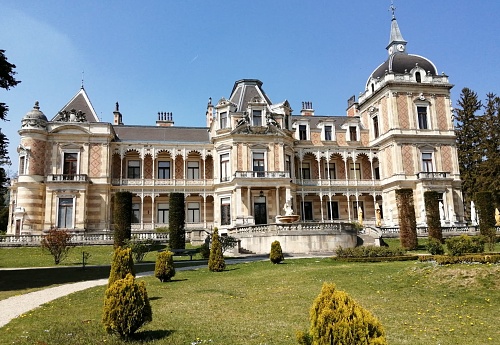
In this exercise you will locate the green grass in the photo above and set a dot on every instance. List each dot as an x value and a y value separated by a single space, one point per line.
261 303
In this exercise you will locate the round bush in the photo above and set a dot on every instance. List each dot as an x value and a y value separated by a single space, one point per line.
164 267
434 246
126 307
276 255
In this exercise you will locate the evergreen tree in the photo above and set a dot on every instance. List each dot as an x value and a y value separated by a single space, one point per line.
407 218
122 215
276 255
432 214
216 261
121 265
176 221
468 137
489 146
7 81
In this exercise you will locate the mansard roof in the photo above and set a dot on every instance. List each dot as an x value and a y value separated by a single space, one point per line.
79 102
248 90
158 133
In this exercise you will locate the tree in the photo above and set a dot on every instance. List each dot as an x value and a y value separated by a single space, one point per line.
489 146
407 219
7 80
468 137
122 215
431 200
337 319
176 221
216 261
57 243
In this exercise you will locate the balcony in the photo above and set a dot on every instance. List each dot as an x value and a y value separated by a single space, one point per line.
338 183
262 174
161 182
432 175
67 178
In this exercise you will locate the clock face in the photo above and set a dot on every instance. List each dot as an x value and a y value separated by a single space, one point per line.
390 50
401 47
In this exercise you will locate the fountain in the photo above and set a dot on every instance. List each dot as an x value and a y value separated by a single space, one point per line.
289 217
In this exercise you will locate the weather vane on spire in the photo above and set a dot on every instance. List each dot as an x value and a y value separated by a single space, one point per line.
392 9
83 74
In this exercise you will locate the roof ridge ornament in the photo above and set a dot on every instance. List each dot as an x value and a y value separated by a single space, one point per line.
392 8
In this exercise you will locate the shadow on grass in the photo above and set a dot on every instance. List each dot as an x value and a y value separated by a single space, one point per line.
152 335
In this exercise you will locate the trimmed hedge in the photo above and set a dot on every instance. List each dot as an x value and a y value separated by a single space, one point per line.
407 218
369 251
431 200
462 259
176 221
465 244
378 258
122 216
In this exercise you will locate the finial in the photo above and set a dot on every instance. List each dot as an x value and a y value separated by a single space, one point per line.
393 9
37 105
117 107
83 78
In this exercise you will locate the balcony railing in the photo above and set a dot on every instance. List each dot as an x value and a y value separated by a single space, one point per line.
160 182
435 175
67 178
262 174
339 182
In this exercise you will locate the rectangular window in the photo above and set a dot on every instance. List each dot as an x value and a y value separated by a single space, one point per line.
193 170
258 164
225 173
376 171
163 170
136 213
134 169
353 133
375 126
225 211
65 215
356 207
22 165
223 120
427 162
70 163
257 118
355 171
306 171
422 117
302 132
330 171
307 210
162 213
328 132
193 212
332 210
288 165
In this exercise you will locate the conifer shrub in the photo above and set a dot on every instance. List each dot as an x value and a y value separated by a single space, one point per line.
122 216
176 221
126 307
121 265
434 246
431 200
465 244
407 219
164 267
216 261
276 255
337 319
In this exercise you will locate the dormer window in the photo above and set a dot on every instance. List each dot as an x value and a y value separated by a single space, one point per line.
418 77
256 117
302 132
223 120
328 133
353 133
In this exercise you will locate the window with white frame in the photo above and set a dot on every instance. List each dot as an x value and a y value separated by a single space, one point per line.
23 164
354 171
164 170
225 211
225 167
70 165
302 132
353 133
223 120
328 130
162 213
422 117
288 164
427 164
259 163
330 171
136 213
193 212
193 170
65 213
375 127
133 169
256 117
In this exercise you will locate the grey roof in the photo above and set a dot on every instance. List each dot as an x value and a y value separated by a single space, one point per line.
245 90
158 134
81 102
35 113
401 63
395 35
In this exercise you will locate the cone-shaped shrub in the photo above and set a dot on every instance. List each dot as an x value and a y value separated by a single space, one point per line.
337 319
164 267
432 213
407 219
121 265
276 255
126 307
216 261
122 215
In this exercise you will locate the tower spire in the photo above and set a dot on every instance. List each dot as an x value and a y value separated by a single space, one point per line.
396 41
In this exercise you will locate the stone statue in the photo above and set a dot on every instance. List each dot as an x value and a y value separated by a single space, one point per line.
360 215
288 207
473 214
378 216
441 211
451 214
243 120
497 217
270 121
423 215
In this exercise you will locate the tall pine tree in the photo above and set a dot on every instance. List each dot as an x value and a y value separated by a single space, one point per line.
468 134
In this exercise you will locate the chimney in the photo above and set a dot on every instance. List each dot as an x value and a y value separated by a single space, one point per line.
117 115
307 109
352 106
210 112
165 119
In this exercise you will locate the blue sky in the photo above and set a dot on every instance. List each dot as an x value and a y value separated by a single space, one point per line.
172 56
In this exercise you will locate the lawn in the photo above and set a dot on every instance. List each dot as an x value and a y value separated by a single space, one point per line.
261 303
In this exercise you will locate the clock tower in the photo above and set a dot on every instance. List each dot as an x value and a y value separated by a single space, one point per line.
397 44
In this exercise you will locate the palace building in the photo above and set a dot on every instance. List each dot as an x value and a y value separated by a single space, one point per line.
252 157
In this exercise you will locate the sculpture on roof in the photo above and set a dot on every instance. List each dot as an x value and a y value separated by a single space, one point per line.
72 116
270 121
243 120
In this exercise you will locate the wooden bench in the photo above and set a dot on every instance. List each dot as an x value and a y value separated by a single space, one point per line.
182 252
